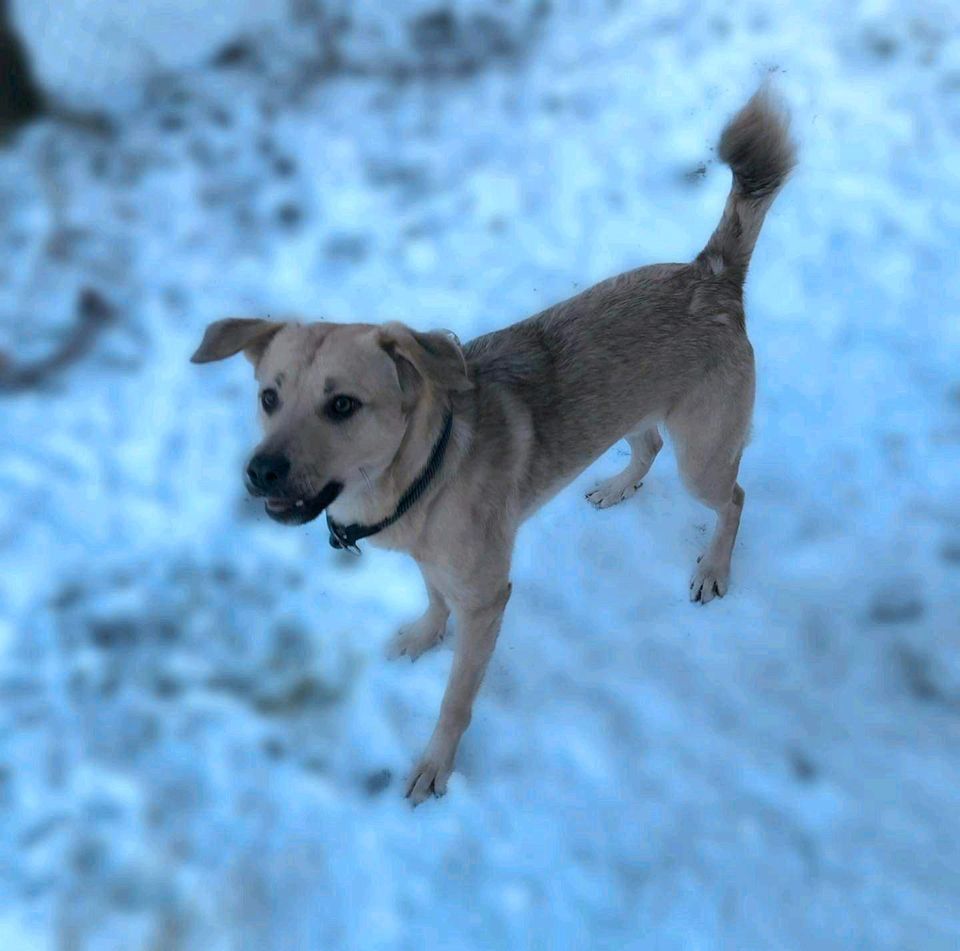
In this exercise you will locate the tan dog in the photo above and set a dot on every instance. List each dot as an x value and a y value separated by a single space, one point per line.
443 451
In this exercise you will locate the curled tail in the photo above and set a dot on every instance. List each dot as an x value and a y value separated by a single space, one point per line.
756 144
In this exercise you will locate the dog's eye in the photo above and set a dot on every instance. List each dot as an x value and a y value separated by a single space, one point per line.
340 407
269 400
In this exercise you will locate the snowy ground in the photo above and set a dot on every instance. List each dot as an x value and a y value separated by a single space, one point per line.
200 743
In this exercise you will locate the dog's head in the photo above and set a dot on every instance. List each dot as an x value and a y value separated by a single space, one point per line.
335 401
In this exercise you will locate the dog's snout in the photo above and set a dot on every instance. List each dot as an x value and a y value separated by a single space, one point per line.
267 472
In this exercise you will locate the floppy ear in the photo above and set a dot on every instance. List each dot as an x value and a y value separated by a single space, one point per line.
434 358
224 338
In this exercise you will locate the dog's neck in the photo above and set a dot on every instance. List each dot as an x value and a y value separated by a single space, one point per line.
378 499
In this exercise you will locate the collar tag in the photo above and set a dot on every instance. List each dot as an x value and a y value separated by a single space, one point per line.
340 539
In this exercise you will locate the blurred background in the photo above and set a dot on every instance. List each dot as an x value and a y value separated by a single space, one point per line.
201 745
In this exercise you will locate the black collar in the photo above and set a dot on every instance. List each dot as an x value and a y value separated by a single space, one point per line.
347 536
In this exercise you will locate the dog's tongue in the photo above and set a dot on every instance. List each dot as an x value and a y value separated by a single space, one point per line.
281 505
301 511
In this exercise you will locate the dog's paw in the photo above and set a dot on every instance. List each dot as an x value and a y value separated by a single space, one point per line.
612 491
709 581
429 777
417 638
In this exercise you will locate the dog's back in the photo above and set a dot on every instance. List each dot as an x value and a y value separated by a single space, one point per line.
628 349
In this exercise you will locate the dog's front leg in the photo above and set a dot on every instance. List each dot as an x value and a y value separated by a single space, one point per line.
427 631
478 624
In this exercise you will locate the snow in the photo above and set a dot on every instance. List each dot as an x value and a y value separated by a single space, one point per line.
86 53
200 742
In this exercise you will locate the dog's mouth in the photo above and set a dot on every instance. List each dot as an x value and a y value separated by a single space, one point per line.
294 511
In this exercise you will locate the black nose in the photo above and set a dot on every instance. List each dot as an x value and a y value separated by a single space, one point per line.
267 472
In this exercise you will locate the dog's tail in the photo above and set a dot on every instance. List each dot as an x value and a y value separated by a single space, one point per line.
756 144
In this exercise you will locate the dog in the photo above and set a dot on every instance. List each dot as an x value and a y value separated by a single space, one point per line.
441 450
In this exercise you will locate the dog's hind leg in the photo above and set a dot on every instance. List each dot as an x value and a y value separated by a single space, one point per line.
709 430
644 446
712 575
